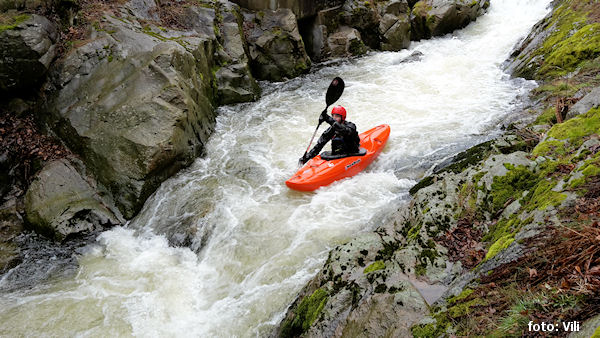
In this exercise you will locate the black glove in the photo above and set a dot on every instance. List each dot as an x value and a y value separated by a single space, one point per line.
302 160
323 116
337 126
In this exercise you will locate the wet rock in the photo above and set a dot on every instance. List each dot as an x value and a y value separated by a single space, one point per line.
522 62
61 201
302 8
345 42
591 100
11 225
136 103
394 25
439 17
276 48
235 82
27 48
363 16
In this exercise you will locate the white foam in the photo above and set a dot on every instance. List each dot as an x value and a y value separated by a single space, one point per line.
256 243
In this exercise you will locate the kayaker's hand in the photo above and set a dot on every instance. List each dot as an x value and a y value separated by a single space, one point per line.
323 116
337 126
302 160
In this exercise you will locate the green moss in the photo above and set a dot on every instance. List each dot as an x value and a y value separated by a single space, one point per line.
543 196
306 313
11 23
569 53
413 233
378 265
577 128
464 294
469 157
477 177
510 186
420 270
550 147
501 244
357 47
462 309
596 333
503 228
548 116
425 182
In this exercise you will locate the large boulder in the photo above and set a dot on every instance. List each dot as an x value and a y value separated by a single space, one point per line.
394 25
136 103
439 17
235 82
62 201
27 48
346 41
275 45
364 16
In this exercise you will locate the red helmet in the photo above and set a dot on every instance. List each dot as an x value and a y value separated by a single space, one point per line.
340 111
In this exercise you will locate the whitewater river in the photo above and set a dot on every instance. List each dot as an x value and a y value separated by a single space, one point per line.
222 248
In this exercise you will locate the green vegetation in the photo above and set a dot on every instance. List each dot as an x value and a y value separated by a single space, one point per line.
11 22
510 186
305 314
574 130
501 244
378 265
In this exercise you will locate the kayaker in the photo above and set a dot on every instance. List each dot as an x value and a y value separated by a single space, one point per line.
343 135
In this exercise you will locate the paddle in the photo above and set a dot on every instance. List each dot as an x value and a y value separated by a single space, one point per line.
335 90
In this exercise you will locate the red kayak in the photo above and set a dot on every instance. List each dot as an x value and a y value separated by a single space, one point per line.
324 169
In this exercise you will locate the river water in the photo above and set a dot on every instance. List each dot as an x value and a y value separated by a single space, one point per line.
223 247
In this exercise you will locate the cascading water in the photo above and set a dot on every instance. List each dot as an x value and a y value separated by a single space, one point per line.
222 248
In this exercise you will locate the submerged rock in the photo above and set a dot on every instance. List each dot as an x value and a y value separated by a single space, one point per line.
27 48
61 202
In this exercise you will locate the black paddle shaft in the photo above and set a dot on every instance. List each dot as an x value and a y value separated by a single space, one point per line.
334 92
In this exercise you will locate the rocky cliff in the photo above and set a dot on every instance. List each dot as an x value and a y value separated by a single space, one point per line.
506 234
104 100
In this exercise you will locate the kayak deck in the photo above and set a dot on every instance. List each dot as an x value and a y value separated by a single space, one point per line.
318 172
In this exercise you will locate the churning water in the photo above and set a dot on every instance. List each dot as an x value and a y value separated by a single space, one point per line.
222 248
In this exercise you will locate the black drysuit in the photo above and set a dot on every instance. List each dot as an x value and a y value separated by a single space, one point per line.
344 138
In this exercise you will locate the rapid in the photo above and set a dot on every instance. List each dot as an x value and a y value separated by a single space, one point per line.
222 248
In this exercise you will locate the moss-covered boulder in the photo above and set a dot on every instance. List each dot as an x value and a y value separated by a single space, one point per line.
565 40
439 17
61 201
27 48
275 46
136 102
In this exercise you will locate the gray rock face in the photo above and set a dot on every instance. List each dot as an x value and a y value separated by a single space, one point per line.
522 63
275 45
345 42
394 26
235 82
590 101
26 52
439 17
302 8
136 104
11 225
62 202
